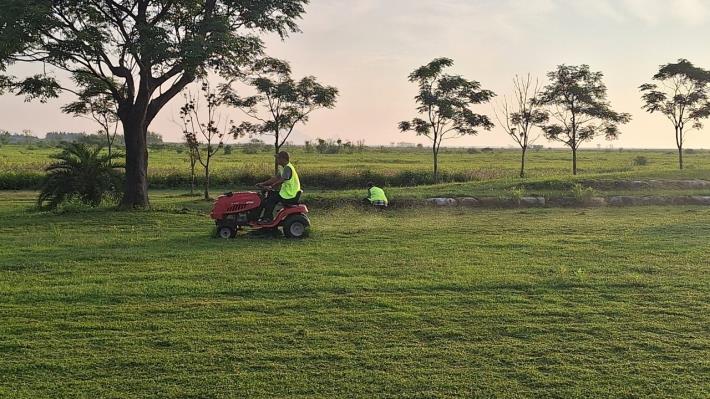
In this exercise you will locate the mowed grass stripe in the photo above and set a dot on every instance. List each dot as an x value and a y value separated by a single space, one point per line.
410 303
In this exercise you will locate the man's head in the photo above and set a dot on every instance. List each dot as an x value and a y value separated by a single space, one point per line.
282 158
370 185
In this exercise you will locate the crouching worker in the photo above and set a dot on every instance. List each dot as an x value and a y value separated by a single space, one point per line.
290 187
375 196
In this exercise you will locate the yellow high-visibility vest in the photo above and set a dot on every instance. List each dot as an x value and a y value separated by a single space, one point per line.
291 187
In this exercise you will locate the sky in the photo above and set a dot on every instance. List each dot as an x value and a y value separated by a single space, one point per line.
367 48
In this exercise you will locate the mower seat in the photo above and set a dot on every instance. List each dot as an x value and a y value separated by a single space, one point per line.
295 201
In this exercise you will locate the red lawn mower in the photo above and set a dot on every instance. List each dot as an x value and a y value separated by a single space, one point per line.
235 211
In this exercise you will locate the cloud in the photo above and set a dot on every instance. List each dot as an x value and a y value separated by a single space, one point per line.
692 12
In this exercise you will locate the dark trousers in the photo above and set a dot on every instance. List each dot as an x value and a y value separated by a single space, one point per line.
274 199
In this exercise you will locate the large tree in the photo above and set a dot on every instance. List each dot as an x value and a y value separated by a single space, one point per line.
577 98
520 115
145 52
681 94
445 102
280 104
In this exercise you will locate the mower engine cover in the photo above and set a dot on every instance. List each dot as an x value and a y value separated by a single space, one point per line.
232 203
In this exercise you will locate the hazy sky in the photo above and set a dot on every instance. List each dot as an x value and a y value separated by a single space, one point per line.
368 47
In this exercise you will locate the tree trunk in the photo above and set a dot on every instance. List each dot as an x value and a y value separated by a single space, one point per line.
680 157
192 176
276 152
522 163
436 164
574 161
135 194
108 145
207 180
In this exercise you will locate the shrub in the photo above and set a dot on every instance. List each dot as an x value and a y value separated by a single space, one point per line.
487 150
227 149
690 151
582 194
517 194
328 146
255 146
640 161
81 172
473 150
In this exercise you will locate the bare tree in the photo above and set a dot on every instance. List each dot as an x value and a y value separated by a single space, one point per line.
520 115
93 103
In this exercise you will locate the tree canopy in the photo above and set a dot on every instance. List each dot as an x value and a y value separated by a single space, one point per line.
144 52
579 109
445 102
681 94
280 103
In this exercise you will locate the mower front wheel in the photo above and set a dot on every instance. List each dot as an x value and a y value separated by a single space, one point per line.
226 232
296 226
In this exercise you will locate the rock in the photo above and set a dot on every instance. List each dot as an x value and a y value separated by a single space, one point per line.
596 201
700 200
441 201
469 201
695 184
621 201
532 201
489 201
638 184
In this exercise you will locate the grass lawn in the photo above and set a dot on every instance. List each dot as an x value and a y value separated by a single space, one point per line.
22 166
410 303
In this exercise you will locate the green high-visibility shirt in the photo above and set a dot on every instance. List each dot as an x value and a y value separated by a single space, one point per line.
377 195
292 184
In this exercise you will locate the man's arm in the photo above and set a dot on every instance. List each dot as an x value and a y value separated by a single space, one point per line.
276 180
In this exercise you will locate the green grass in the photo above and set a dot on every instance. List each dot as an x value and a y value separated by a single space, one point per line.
410 303
21 167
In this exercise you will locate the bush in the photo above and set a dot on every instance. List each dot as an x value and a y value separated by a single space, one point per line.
487 150
690 151
328 146
473 150
227 149
81 172
255 146
582 194
640 161
517 194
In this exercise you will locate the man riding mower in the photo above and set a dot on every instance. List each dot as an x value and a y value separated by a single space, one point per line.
234 211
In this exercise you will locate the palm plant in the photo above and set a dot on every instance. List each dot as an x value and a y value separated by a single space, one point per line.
83 172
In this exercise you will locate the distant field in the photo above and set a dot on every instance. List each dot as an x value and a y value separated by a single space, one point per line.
410 303
21 166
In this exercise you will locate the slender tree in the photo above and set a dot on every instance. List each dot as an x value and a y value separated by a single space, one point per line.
522 114
193 149
577 98
681 94
144 51
204 125
280 103
445 102
94 103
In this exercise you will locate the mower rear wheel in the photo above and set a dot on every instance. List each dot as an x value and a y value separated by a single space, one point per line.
296 226
226 232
